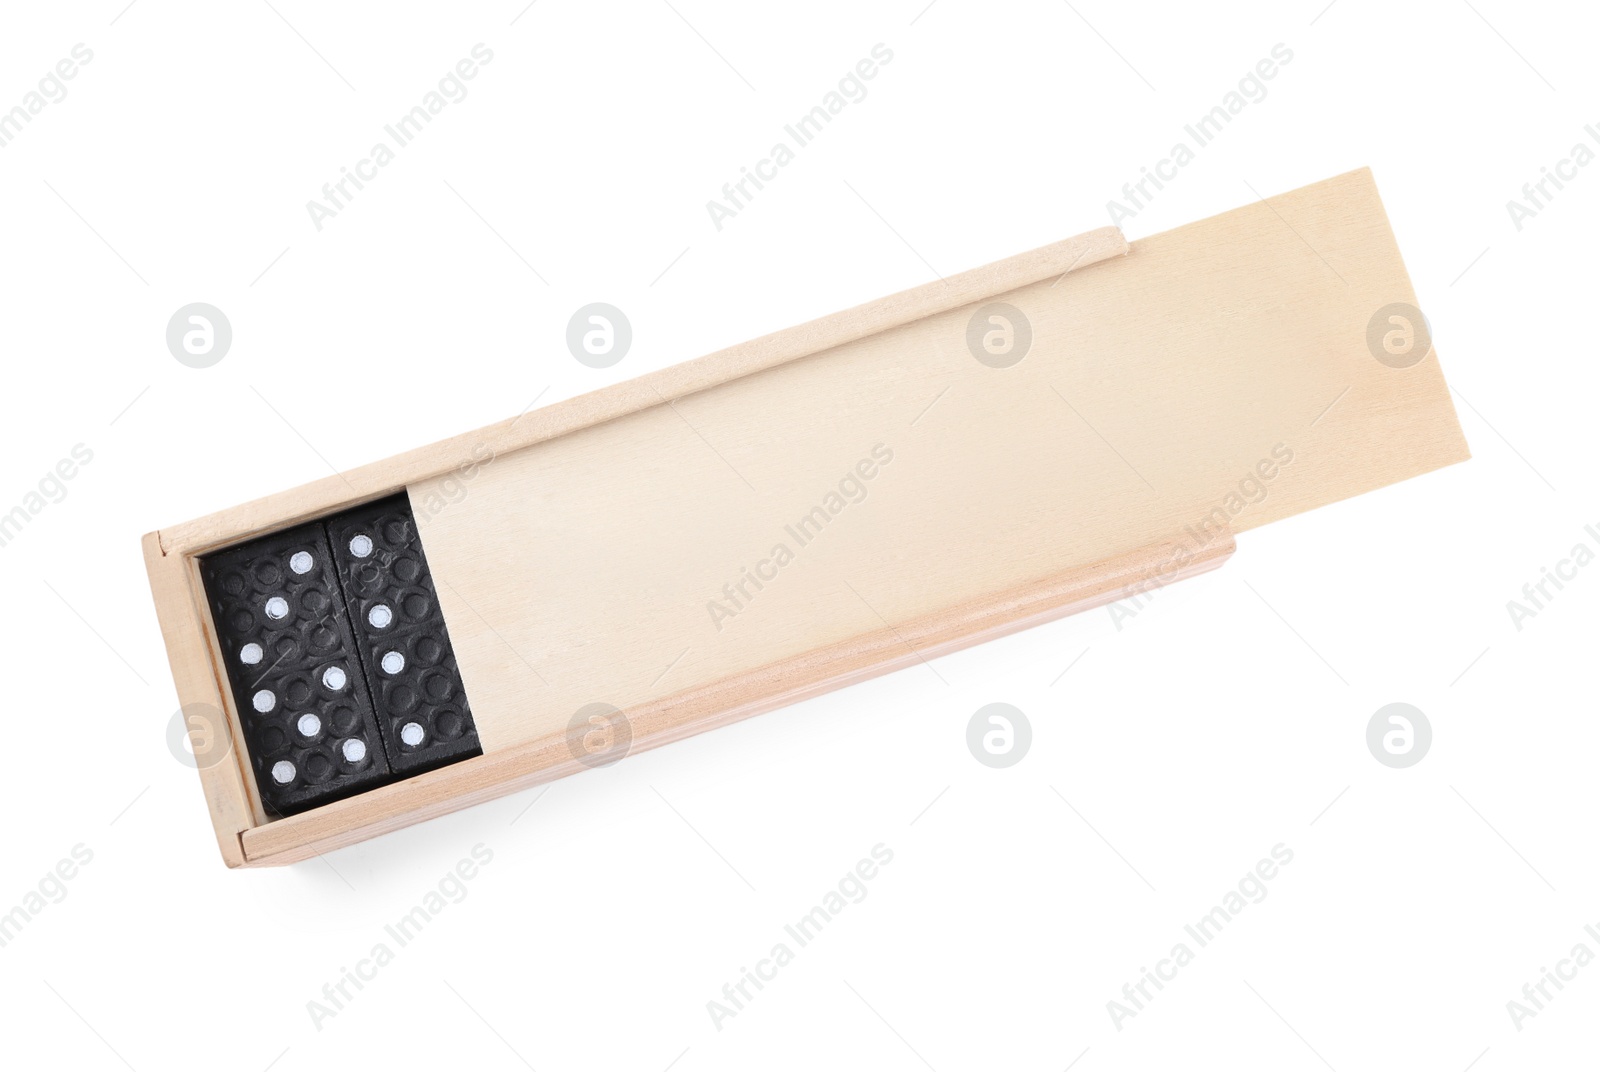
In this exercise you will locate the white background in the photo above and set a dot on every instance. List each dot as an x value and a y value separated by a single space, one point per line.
618 903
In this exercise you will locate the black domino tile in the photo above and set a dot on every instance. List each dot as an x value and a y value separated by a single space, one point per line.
281 595
404 647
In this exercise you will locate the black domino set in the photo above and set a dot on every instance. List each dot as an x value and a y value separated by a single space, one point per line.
338 657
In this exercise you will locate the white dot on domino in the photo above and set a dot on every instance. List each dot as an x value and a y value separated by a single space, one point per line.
283 772
412 734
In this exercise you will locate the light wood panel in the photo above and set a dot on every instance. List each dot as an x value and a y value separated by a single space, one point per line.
585 568
197 674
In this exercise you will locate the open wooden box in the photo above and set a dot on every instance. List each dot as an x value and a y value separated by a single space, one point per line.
1051 432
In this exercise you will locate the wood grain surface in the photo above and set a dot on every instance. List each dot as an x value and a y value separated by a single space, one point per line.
1218 376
